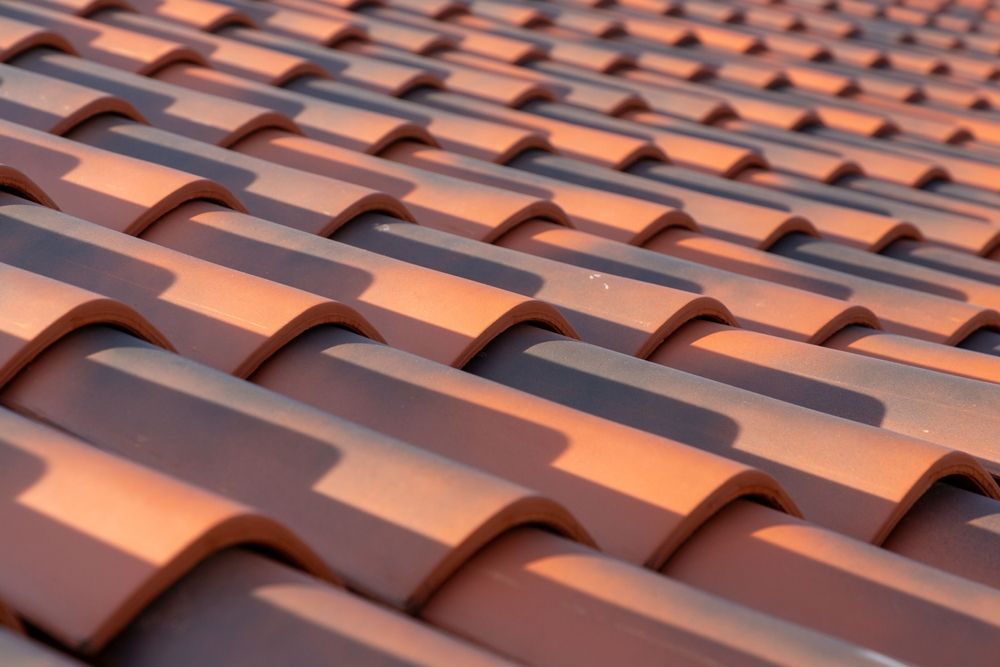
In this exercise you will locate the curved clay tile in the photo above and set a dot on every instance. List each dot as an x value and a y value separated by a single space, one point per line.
609 149
381 76
695 64
764 559
235 606
120 192
703 153
14 182
708 11
440 317
36 311
600 610
893 396
988 197
510 47
803 161
946 259
757 304
19 651
558 44
207 16
125 49
197 115
51 104
697 106
937 196
639 500
85 7
892 271
309 26
845 116
952 530
233 326
933 356
726 38
596 24
602 212
598 97
387 33
917 120
457 132
750 104
901 310
985 340
229 55
411 518
339 124
622 314
433 9
751 220
19 36
955 230
454 205
807 78
856 479
491 86
300 199
766 211
964 167
514 14
89 558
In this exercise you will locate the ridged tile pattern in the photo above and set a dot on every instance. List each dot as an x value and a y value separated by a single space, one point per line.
488 332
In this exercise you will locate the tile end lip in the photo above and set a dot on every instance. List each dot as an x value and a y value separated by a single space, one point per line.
950 464
402 133
986 318
99 5
373 202
107 104
851 316
41 38
232 18
748 484
16 183
529 509
898 232
529 142
793 224
242 528
196 189
669 219
181 54
697 308
326 313
266 120
97 310
541 210
528 311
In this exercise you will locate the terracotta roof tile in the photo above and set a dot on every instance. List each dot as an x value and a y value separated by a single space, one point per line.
422 311
322 477
230 327
228 55
237 590
123 193
582 331
785 552
89 561
134 51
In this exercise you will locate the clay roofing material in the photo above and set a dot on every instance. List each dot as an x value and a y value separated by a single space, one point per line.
480 332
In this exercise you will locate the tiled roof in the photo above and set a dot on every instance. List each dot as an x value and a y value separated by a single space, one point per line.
479 332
